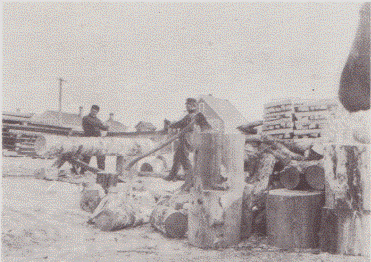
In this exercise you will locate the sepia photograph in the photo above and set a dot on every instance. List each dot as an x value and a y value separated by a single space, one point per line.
185 131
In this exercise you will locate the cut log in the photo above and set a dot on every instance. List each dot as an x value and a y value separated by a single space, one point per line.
293 218
170 215
53 146
347 177
119 210
91 197
173 223
345 232
315 177
293 175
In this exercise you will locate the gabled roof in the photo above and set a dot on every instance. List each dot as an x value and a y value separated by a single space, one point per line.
50 117
17 115
115 126
145 126
231 117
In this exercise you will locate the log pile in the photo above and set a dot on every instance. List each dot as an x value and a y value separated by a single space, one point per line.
273 164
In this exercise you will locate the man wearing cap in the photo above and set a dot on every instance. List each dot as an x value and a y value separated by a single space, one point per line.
185 146
92 127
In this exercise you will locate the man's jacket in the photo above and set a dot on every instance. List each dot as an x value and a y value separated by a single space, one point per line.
186 139
92 126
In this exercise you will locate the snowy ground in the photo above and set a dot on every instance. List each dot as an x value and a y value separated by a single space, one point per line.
42 220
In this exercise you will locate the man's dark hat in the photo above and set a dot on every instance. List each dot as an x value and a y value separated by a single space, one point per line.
191 101
95 107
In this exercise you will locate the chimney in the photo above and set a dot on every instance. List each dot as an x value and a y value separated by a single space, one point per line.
111 117
80 111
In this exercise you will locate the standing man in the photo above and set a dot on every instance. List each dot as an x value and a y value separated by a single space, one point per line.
92 127
185 146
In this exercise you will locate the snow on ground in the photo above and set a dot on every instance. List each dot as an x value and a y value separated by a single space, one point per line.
42 220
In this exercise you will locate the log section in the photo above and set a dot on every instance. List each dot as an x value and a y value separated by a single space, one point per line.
293 218
53 146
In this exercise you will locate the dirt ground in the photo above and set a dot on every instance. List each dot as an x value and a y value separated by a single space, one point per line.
42 220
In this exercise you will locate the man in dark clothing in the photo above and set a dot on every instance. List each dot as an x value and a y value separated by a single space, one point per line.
185 145
92 127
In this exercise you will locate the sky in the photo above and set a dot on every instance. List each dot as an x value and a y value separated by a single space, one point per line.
141 61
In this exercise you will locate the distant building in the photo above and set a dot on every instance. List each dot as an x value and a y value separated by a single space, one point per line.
16 117
145 127
61 119
221 114
115 126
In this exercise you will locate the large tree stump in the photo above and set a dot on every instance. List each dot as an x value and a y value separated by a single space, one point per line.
293 218
214 217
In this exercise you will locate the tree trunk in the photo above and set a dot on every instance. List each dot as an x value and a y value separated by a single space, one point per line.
347 177
293 218
345 232
214 217
53 146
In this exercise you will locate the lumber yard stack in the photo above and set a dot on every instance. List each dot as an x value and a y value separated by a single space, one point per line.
297 118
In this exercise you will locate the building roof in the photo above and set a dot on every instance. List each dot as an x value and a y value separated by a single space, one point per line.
145 126
17 115
231 117
50 117
116 126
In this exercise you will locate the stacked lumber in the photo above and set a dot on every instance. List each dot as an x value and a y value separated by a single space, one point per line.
297 118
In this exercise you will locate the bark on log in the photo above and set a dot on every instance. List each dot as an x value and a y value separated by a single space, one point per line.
345 232
119 210
91 197
170 215
214 218
347 177
53 146
208 157
293 218
233 159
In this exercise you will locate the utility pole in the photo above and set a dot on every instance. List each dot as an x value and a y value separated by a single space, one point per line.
60 100
60 93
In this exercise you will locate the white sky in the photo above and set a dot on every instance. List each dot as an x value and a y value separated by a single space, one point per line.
142 60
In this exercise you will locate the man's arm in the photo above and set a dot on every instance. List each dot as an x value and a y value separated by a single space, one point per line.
180 124
202 122
89 121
